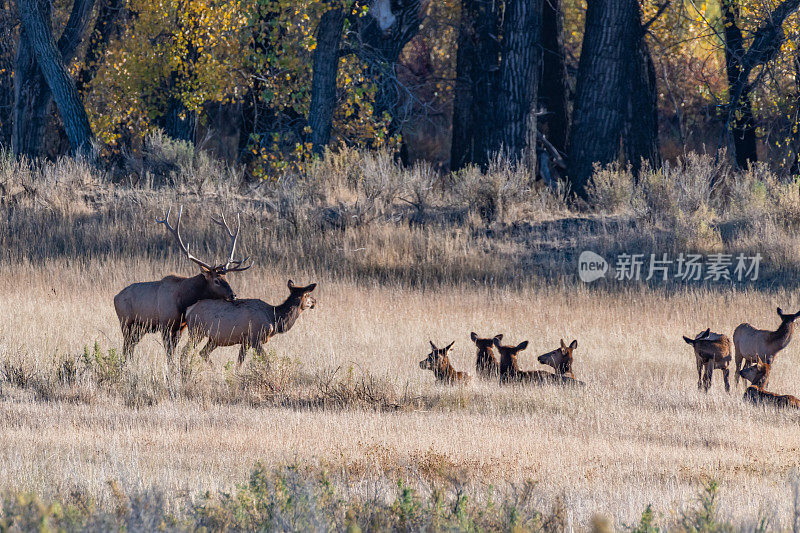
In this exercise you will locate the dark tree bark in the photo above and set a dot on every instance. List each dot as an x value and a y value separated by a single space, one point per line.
33 80
640 136
519 80
106 25
477 67
743 127
7 40
553 96
599 112
383 32
323 84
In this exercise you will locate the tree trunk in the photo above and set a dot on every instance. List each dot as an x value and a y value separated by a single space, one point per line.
7 40
33 85
106 25
383 33
640 137
599 114
743 128
477 67
519 80
323 84
553 83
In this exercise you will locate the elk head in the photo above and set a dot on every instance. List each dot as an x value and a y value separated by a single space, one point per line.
757 374
437 359
790 317
303 293
485 344
508 354
560 358
217 286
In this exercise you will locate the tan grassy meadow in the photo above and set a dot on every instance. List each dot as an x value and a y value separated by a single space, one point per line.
344 393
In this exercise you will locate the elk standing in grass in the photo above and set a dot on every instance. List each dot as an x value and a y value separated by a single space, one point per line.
560 360
247 322
160 306
711 351
751 343
758 375
438 362
486 364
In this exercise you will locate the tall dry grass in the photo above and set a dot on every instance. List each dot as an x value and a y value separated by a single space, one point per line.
401 257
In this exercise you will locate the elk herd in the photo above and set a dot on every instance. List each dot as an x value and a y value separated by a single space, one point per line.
208 308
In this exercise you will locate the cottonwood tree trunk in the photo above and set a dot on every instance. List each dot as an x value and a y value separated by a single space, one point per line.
742 124
109 14
599 111
519 80
553 96
41 75
477 67
640 136
383 33
323 84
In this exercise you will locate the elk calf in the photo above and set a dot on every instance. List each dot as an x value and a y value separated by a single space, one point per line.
751 343
486 364
711 351
247 322
438 362
758 375
560 360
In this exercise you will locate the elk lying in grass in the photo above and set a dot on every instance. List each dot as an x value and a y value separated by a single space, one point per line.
160 306
510 371
438 362
560 360
758 375
711 351
751 343
486 364
248 322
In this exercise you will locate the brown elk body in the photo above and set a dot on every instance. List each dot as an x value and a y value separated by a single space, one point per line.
247 322
751 343
438 362
486 364
560 360
712 351
160 306
511 373
758 375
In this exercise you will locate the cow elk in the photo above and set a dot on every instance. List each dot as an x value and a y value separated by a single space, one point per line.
509 367
486 364
751 343
711 351
438 362
560 360
160 306
758 375
249 323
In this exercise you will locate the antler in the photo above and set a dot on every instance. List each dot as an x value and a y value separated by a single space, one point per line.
176 232
232 265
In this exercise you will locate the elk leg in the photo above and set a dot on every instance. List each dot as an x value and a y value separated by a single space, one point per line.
242 354
170 337
207 349
707 376
131 335
699 372
738 367
725 374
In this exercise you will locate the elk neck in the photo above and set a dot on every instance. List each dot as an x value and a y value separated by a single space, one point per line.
444 370
191 291
782 335
287 313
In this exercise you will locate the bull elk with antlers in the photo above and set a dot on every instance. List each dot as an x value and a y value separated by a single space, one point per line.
160 306
247 322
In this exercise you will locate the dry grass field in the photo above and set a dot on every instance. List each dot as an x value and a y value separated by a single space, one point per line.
342 392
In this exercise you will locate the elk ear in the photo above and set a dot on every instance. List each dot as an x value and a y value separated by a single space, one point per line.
522 345
446 348
433 346
706 333
563 346
473 336
311 287
780 312
499 336
573 344
291 285
688 340
496 341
